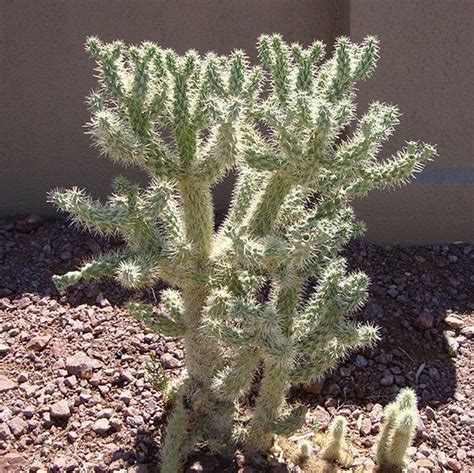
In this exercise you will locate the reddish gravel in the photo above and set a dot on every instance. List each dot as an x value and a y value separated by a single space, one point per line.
75 394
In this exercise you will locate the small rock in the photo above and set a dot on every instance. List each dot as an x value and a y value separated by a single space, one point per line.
460 454
126 377
116 423
430 413
125 397
4 349
465 419
452 345
442 458
376 413
72 436
60 410
5 414
101 426
5 432
387 380
334 389
453 464
424 463
29 411
196 467
345 371
361 361
105 413
468 331
80 365
392 291
425 321
453 322
17 426
136 421
365 425
321 417
169 361
38 343
22 377
58 463
70 381
6 384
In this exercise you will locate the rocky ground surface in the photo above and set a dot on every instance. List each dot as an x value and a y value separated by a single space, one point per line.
76 395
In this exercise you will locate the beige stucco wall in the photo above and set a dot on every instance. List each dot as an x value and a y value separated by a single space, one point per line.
427 68
45 75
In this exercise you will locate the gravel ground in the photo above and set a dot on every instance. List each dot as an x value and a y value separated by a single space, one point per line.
76 395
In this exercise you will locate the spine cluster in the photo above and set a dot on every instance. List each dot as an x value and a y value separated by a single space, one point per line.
282 128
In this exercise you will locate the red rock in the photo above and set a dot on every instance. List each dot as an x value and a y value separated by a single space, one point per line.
425 321
424 463
12 462
453 464
454 322
101 426
80 365
17 426
169 361
60 410
6 384
38 343
5 432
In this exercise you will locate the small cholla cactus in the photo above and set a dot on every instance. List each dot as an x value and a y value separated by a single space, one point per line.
305 449
187 121
335 447
398 430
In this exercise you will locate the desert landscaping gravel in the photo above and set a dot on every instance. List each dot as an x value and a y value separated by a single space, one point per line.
76 394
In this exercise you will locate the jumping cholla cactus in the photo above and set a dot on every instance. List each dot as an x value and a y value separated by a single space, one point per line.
398 431
336 447
189 120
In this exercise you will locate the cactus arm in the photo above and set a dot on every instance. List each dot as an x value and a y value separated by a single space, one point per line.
290 421
160 323
265 214
398 430
278 360
101 218
335 444
267 409
247 187
102 266
235 380
181 436
401 438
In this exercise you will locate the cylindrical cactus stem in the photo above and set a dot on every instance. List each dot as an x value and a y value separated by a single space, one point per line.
267 209
398 430
388 425
335 447
401 438
173 454
267 409
198 214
